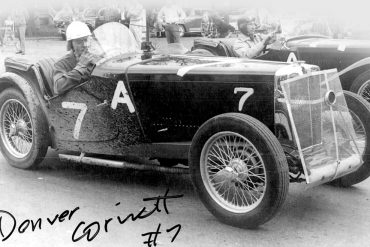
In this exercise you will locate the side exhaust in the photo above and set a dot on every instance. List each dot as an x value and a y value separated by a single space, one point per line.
120 164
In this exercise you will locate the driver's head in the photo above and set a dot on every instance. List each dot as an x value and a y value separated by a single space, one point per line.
247 26
77 34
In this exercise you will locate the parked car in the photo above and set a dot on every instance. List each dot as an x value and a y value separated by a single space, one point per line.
323 51
246 128
88 16
193 22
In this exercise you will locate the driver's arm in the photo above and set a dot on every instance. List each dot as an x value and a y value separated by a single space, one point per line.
67 74
249 50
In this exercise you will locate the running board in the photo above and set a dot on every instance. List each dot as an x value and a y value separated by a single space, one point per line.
120 164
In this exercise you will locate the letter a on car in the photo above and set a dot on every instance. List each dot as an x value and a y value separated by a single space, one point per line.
121 89
291 57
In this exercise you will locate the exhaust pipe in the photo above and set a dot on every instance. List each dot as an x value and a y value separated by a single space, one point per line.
120 164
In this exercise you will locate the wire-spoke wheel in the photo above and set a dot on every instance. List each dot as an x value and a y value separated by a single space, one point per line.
360 112
364 90
361 85
239 170
16 128
360 132
234 173
24 135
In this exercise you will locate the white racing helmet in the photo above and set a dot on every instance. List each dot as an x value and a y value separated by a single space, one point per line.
76 30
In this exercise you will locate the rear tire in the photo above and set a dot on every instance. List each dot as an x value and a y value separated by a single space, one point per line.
360 110
239 152
24 136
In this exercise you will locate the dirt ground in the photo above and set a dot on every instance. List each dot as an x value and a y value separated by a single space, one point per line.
321 216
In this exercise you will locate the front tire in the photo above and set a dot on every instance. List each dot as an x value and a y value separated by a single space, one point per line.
24 137
360 111
239 170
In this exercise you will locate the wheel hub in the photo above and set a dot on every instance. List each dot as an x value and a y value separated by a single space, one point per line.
21 127
238 165
12 130
233 171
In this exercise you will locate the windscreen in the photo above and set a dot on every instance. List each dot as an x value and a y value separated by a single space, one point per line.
113 40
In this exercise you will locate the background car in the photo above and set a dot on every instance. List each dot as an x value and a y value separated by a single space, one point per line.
320 50
88 16
191 25
193 22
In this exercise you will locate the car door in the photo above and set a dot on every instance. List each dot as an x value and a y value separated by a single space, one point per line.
84 114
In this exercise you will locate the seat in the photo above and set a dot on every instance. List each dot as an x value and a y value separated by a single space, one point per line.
46 68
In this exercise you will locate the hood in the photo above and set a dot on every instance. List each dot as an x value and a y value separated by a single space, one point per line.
185 64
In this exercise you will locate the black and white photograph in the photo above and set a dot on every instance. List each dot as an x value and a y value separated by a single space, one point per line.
145 123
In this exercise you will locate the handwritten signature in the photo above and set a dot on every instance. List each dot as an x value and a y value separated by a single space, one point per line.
89 231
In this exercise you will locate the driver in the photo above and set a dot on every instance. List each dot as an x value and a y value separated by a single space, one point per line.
75 67
249 44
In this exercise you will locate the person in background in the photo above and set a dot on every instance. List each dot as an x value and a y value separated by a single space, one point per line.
75 67
215 26
136 15
249 44
20 17
223 28
2 26
265 21
110 12
169 16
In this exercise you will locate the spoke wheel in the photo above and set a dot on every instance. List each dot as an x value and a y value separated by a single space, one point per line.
24 130
233 172
16 128
239 170
361 85
364 90
360 132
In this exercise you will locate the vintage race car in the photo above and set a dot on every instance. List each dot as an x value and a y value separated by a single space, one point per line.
325 52
246 128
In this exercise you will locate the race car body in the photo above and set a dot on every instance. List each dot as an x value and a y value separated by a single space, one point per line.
245 128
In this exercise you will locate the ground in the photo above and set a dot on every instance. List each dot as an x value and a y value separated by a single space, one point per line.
319 216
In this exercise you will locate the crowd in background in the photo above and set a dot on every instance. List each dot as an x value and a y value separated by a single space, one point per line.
162 19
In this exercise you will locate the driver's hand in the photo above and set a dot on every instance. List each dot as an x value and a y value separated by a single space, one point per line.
88 59
269 39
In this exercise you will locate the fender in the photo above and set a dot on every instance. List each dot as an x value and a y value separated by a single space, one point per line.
351 72
10 79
